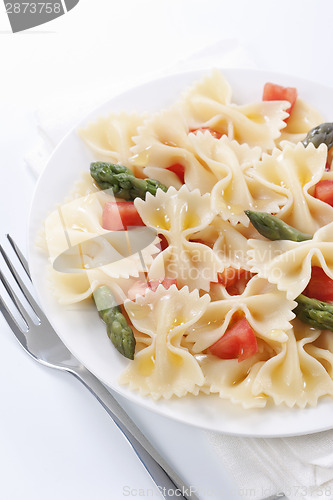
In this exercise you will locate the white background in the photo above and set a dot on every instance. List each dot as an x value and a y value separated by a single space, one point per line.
55 440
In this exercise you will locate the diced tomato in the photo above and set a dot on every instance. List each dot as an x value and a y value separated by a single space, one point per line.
320 286
140 287
329 160
166 282
324 191
118 216
179 170
274 92
234 280
202 242
213 132
229 276
164 242
239 341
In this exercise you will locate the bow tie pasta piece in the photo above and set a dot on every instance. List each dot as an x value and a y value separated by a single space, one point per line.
233 380
235 190
213 88
178 215
164 367
293 173
164 141
288 264
175 211
228 243
302 119
71 288
265 308
322 349
75 221
75 229
298 374
208 105
110 137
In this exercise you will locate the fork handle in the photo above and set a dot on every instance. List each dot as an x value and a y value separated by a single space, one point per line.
166 479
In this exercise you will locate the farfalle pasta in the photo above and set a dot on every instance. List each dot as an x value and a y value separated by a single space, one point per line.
199 297
289 263
303 118
164 138
164 141
294 376
178 215
228 243
234 190
265 308
111 138
165 367
296 373
292 173
257 124
95 255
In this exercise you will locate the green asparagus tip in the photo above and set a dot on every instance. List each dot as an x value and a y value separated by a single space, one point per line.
122 181
273 228
322 134
314 312
118 330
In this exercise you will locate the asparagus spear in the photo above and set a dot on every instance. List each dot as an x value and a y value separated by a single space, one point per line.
120 334
122 181
314 312
273 228
323 133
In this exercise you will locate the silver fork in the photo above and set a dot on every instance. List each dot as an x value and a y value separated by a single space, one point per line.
43 344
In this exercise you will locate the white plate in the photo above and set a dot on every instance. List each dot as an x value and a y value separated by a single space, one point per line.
80 328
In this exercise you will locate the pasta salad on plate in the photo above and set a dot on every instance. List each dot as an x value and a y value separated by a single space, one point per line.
202 234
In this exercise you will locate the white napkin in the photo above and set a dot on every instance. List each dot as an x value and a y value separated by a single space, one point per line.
300 467
53 123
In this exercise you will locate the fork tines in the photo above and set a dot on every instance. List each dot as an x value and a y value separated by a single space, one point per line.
13 296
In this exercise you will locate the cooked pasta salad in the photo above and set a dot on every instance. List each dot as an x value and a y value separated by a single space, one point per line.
203 234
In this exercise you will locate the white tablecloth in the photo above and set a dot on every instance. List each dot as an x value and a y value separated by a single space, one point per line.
56 441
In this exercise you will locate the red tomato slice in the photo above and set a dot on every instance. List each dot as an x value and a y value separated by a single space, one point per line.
234 280
179 170
274 92
164 242
229 276
239 341
320 286
213 132
140 287
166 282
117 216
329 160
324 191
